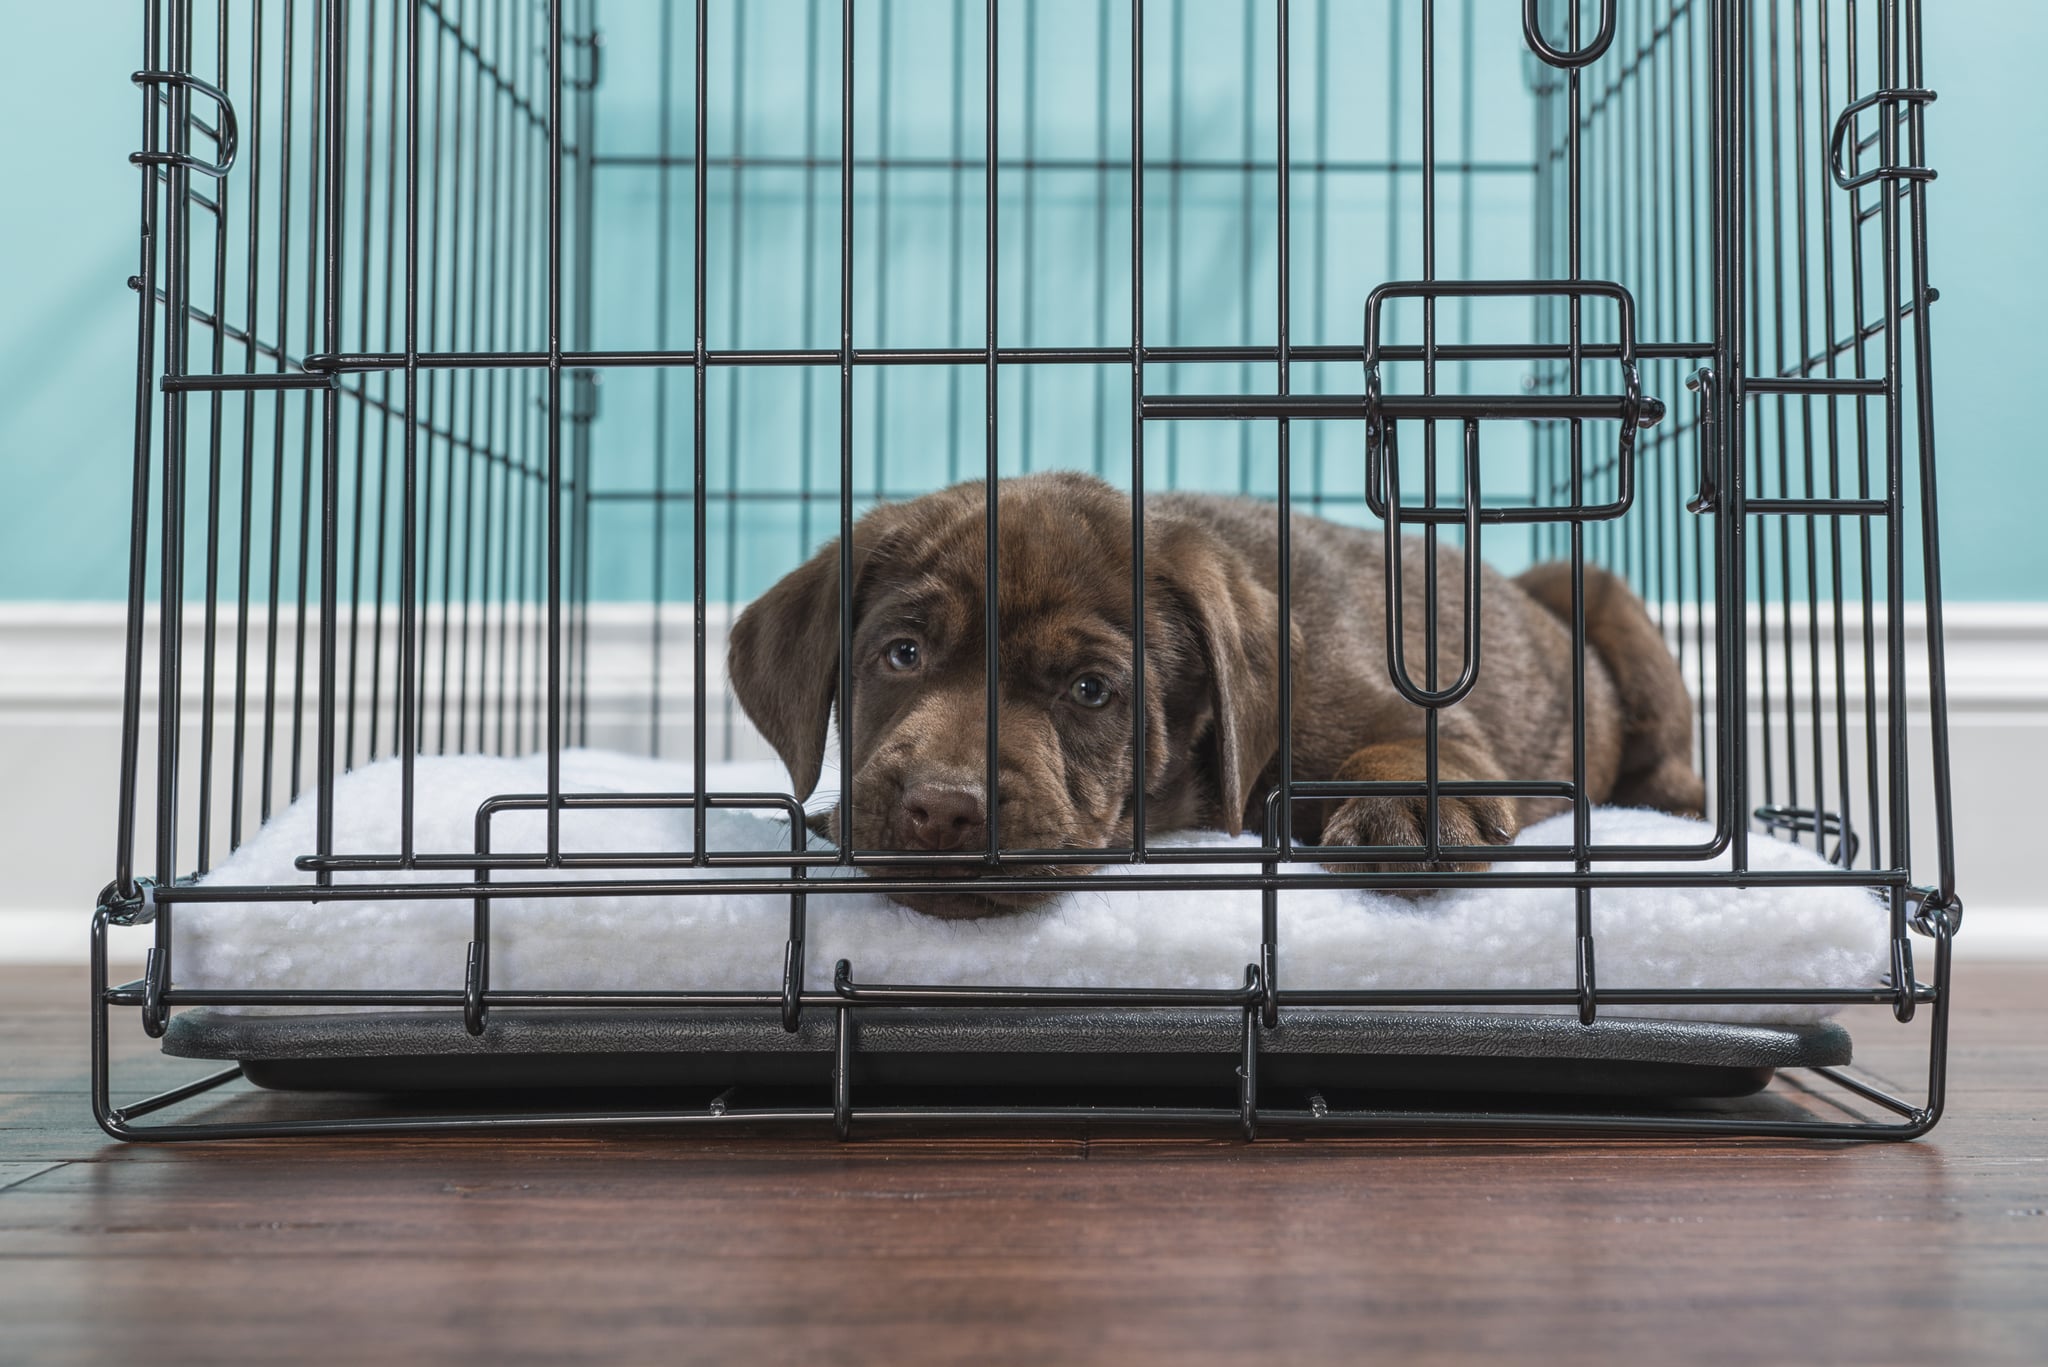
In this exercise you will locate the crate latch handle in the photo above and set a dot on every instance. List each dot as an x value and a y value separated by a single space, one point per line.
227 135
1837 145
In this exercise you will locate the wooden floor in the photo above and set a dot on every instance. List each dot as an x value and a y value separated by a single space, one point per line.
753 1249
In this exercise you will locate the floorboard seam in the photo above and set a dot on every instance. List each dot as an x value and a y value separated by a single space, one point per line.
8 1184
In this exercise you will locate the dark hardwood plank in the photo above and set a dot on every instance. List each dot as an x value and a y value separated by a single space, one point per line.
644 1247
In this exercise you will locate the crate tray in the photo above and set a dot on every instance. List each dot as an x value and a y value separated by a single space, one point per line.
408 1051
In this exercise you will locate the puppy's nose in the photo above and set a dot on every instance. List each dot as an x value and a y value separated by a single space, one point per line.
941 816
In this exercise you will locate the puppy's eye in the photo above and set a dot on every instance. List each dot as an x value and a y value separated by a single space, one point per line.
902 656
1090 690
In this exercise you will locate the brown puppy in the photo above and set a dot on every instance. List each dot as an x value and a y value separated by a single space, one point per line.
1211 678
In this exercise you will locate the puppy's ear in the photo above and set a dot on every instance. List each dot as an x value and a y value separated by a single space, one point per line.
1236 623
783 656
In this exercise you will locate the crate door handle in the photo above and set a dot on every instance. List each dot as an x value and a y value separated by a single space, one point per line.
1532 34
1701 382
227 134
1847 122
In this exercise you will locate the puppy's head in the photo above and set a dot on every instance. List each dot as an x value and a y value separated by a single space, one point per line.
1065 686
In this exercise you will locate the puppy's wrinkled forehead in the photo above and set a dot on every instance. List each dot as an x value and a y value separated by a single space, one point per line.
1062 572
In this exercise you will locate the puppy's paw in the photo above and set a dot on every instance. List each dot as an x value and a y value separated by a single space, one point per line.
1402 821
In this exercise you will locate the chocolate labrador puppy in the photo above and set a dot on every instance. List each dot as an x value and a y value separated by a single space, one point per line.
1211 706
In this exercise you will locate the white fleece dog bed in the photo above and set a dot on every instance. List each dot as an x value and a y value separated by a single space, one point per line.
1717 937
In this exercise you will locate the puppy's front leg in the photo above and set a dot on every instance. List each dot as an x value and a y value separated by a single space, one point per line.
1403 820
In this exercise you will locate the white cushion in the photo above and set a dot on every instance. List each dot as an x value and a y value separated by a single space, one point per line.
1478 938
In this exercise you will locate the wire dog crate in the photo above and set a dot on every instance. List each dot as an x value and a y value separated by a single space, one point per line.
436 416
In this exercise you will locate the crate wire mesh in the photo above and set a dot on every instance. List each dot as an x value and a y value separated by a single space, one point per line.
432 410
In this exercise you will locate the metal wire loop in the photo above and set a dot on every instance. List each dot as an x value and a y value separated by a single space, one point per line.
792 985
1532 34
473 988
1397 650
137 907
1838 143
1589 993
227 134
1940 916
1904 990
1702 382
156 1016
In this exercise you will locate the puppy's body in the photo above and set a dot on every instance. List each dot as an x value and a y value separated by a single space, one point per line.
1351 722
1212 621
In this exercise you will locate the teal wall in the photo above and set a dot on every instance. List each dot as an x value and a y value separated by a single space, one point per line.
68 242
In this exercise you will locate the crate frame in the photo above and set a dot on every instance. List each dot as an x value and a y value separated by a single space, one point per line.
1728 423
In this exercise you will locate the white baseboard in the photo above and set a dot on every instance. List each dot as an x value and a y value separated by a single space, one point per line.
60 719
43 935
2013 933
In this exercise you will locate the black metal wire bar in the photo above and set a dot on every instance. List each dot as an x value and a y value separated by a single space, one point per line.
209 663
1511 507
1432 802
844 701
555 696
469 310
244 563
332 160
846 993
657 588
1028 164
497 483
1582 836
806 479
1247 80
1861 333
323 365
1832 414
138 499
735 276
522 408
1279 826
991 625
585 409
884 78
1888 43
1779 281
1278 1120
365 274
1099 377
1753 224
1176 192
1728 65
956 197
1139 706
1811 539
171 572
286 111
1915 194
700 232
390 335
427 413
531 304
409 581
